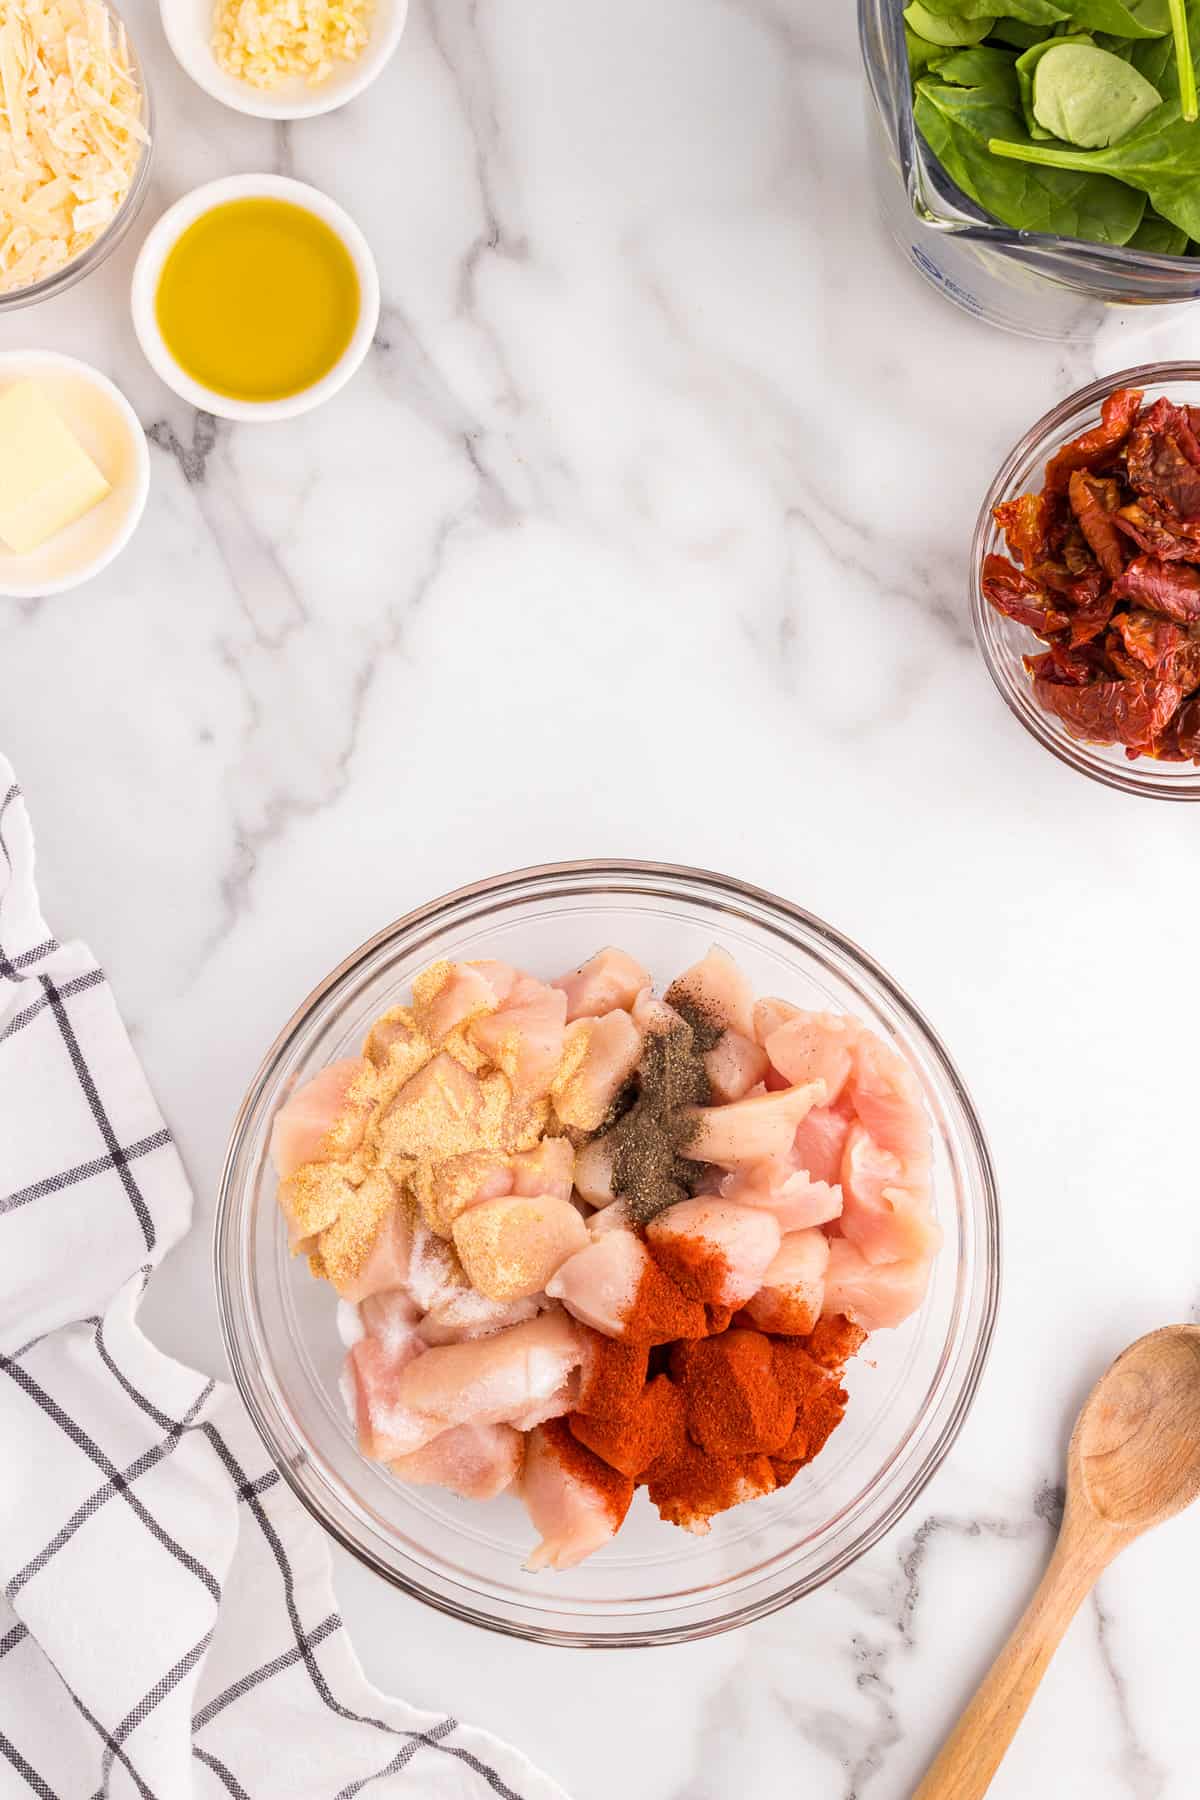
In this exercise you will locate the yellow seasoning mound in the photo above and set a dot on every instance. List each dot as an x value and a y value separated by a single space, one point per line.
258 299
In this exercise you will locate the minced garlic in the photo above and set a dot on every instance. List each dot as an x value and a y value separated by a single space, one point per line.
268 42
71 132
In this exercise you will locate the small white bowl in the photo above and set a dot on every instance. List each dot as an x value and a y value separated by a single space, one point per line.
188 25
109 430
166 234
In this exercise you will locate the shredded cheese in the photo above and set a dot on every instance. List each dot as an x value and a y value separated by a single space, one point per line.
71 132
268 42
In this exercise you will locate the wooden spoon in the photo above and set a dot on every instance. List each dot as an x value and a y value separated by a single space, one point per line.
1134 1461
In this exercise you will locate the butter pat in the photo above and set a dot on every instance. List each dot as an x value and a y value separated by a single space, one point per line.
47 478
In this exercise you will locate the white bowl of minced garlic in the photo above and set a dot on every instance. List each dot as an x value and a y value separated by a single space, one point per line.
283 59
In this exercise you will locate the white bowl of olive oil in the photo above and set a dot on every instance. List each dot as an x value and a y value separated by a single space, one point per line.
255 297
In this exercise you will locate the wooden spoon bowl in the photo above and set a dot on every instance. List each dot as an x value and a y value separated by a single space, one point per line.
1134 1461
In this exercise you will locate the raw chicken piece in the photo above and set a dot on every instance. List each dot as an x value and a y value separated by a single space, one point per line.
881 1215
770 1014
789 1194
793 1289
600 1056
374 1369
441 1111
751 1129
386 1262
490 1381
394 1318
814 1047
396 1045
575 1502
713 1250
450 994
887 1098
563 1400
525 1038
326 1118
717 990
501 977
734 1065
448 1187
875 1295
652 1014
599 1284
511 1246
820 1140
613 1217
311 1199
549 1169
476 1461
607 981
594 1172
469 1316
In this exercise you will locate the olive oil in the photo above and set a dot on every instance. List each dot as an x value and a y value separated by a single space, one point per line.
258 299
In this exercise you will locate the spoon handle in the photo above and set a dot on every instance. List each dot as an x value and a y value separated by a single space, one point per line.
975 1748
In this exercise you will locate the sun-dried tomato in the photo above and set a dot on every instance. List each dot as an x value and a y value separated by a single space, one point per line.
1109 579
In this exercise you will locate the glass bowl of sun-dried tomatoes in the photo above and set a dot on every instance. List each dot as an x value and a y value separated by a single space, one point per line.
1085 581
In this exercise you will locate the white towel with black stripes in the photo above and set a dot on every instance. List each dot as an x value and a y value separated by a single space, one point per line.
167 1623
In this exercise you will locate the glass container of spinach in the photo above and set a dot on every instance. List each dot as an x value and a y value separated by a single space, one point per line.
1048 151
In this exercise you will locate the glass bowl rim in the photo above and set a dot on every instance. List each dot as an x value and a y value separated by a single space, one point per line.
1074 753
98 252
984 1292
933 194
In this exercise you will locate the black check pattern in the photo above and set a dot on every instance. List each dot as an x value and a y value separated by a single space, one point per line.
167 1626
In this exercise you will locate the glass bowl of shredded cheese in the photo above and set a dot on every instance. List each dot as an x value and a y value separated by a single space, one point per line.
75 141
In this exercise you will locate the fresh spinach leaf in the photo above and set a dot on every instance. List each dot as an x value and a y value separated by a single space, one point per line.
958 124
1031 12
922 54
1025 66
992 71
1120 20
1089 98
1161 157
949 29
1159 237
1012 31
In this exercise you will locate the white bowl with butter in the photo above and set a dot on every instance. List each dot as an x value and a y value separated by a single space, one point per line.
74 473
189 27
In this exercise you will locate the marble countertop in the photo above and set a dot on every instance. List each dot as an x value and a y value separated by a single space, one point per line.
643 532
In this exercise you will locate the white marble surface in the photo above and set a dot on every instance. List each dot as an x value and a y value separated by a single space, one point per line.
644 531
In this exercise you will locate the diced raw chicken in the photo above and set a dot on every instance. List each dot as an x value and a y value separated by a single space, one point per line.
440 1111
476 1461
548 1169
468 1316
820 1140
501 977
881 1215
525 1038
450 994
714 1250
594 1171
887 1098
386 1262
404 1403
575 1502
600 1056
814 1047
607 981
734 1065
394 1318
793 1288
396 1045
788 1193
325 1118
311 1199
652 1014
751 1129
449 1186
511 1246
563 1400
613 1217
717 990
874 1295
599 1284
770 1014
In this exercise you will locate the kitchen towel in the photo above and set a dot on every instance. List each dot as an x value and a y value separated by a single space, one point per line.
167 1622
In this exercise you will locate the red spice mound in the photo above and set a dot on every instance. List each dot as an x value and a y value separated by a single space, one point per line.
834 1341
693 1488
819 1400
654 1429
661 1313
614 1490
612 1377
1105 570
698 1268
734 1400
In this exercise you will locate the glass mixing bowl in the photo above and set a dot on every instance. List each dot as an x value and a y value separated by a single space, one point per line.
1004 643
654 1584
1026 281
99 252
